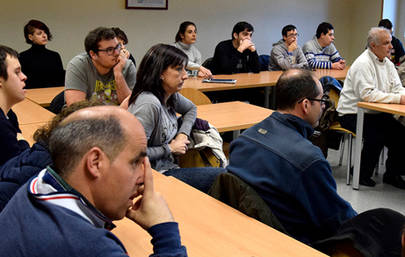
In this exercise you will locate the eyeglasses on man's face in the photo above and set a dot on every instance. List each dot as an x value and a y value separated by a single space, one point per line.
111 50
323 100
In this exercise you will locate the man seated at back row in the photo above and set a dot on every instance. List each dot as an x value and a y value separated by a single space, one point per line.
238 54
320 52
102 73
373 78
99 168
286 53
285 168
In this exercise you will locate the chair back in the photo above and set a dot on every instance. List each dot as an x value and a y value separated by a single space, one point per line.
208 63
233 191
195 96
264 60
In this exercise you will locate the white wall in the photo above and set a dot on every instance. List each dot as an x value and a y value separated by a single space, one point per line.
71 20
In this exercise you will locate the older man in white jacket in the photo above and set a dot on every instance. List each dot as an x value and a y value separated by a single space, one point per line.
373 78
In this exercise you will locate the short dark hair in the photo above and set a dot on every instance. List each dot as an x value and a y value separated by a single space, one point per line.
30 27
148 77
291 88
119 33
4 52
95 36
70 141
386 23
182 29
323 28
286 29
242 26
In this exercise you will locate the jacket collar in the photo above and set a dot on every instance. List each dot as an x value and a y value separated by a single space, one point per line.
294 122
49 186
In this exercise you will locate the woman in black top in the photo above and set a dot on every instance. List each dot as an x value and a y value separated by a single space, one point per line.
43 67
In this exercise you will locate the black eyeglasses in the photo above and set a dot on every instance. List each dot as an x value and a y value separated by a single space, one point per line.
324 100
111 50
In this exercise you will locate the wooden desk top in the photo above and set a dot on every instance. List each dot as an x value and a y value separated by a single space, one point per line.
337 74
210 228
29 112
231 116
28 131
249 80
388 108
43 96
243 80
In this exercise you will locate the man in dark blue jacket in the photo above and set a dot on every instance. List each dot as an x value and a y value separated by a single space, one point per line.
99 168
291 174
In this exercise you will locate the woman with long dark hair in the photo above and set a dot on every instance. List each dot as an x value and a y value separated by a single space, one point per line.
155 101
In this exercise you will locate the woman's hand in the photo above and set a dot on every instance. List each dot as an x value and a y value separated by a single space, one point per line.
204 73
179 144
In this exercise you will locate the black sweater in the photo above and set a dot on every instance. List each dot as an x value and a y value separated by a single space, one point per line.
228 60
42 67
10 146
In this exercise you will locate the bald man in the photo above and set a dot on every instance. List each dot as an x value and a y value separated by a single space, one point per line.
100 167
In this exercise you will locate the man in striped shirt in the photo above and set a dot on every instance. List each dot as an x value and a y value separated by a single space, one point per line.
320 51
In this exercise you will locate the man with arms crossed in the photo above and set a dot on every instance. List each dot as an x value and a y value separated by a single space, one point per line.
320 52
286 53
100 166
373 78
102 73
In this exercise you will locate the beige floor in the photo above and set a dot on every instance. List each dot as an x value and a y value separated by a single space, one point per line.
380 196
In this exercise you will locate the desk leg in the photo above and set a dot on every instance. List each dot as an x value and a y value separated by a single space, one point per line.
267 97
358 147
236 133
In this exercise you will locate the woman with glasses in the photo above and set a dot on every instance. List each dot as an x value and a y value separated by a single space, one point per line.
43 67
185 38
286 53
156 101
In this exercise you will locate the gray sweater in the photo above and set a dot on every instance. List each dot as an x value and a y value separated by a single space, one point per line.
281 59
161 126
194 56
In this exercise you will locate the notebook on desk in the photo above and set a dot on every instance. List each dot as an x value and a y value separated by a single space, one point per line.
226 81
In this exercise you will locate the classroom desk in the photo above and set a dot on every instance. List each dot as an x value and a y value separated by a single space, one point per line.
266 79
43 96
210 228
388 108
28 131
29 112
337 74
231 116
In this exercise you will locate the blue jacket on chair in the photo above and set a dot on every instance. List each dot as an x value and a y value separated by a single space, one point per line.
276 158
18 170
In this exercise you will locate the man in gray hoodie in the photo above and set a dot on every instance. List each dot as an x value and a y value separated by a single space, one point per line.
286 53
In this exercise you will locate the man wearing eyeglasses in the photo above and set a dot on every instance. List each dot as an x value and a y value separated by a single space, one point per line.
291 174
286 53
102 73
320 51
